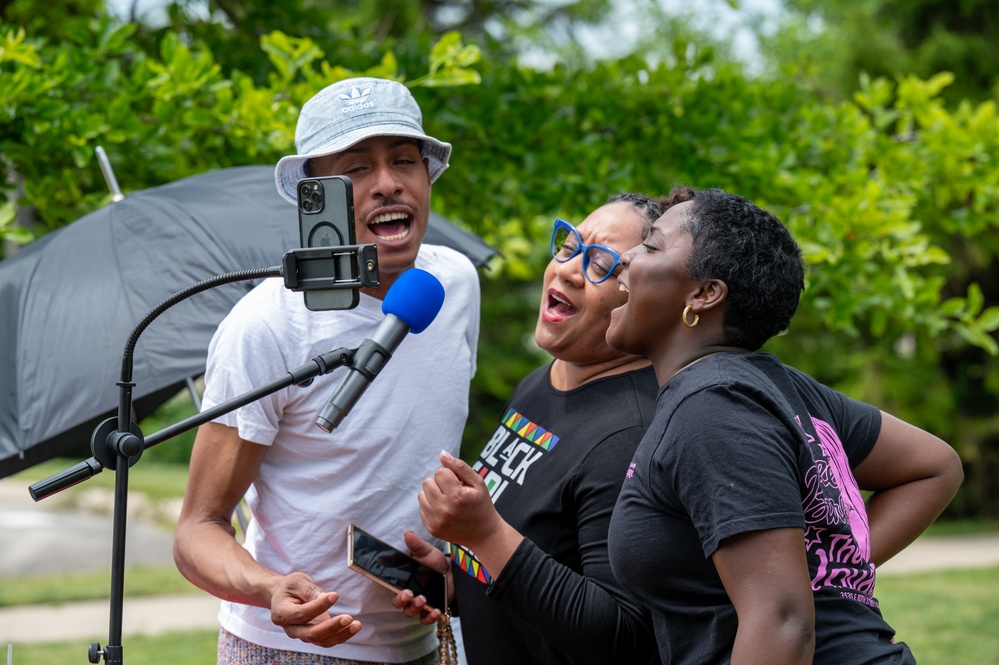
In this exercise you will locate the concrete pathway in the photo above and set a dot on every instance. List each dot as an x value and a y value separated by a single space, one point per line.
952 552
47 537
87 622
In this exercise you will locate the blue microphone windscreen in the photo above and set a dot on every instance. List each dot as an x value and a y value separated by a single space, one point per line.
416 297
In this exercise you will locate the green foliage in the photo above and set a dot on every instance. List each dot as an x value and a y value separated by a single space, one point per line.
893 194
450 61
10 231
866 206
176 450
159 118
879 191
833 42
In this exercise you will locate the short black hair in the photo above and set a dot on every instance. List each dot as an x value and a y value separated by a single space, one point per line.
755 255
653 208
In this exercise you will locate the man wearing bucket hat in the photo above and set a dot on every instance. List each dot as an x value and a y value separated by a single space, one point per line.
305 486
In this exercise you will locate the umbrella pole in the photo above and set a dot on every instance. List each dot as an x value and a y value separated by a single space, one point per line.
112 182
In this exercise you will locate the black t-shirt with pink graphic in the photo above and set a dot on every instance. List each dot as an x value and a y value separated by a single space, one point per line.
741 442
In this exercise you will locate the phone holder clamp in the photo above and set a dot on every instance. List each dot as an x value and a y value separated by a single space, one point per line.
334 267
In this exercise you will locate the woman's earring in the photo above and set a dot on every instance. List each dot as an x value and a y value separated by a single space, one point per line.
697 317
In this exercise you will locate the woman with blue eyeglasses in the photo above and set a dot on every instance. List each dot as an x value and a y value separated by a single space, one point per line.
528 522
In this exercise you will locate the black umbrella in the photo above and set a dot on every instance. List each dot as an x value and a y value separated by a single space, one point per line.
70 300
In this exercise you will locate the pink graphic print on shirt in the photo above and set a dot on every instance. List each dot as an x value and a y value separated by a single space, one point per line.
837 534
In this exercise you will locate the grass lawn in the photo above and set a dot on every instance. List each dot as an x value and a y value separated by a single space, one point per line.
139 581
946 618
187 648
156 480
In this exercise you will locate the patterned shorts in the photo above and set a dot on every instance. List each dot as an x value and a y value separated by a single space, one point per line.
237 651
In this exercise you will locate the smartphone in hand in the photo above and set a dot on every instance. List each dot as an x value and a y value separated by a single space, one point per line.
393 569
326 219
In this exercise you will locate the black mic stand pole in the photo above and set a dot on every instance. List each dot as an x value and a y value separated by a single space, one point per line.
117 443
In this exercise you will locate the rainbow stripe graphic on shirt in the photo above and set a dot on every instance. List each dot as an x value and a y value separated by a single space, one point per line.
529 431
468 563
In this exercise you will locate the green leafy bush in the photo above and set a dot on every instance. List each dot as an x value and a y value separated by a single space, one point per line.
893 195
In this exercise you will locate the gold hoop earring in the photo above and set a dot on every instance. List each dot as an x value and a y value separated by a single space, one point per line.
697 317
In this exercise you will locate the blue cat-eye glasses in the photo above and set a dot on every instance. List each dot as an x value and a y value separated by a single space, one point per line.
599 261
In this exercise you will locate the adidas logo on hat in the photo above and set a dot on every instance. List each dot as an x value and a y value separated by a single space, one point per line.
356 100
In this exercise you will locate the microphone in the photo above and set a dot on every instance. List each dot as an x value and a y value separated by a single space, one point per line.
410 305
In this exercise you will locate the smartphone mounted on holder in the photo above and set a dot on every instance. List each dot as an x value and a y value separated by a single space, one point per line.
393 569
326 223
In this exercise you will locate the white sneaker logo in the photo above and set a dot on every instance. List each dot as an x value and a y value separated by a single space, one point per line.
356 100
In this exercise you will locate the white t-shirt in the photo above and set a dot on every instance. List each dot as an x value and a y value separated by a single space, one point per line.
369 470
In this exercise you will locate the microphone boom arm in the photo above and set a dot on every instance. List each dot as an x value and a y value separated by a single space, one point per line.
368 360
117 443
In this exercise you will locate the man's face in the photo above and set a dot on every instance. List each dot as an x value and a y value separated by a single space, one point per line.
391 196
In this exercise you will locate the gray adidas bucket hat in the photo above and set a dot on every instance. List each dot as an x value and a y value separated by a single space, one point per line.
348 112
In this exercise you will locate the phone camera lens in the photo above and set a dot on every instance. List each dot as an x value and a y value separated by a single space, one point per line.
306 205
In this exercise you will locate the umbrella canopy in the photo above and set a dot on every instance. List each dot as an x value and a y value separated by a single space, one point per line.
69 301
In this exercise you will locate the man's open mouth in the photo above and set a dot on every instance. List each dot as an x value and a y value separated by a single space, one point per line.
391 225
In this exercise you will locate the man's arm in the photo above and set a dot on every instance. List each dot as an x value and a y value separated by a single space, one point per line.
206 551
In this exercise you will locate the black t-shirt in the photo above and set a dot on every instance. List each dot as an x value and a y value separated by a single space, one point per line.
743 443
554 467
